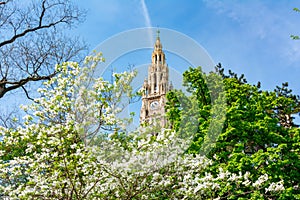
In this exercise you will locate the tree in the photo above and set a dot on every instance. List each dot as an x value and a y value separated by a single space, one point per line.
295 37
32 41
258 135
10 119
49 156
287 105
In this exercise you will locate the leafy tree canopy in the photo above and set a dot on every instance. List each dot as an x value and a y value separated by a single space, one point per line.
258 135
72 146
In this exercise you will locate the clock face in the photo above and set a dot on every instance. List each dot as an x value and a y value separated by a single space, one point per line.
154 105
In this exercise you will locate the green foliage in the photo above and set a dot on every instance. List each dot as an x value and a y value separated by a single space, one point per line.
72 145
258 134
296 9
295 37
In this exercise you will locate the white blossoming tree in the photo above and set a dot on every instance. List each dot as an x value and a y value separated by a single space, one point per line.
62 152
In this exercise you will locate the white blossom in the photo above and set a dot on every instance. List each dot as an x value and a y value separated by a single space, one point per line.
58 154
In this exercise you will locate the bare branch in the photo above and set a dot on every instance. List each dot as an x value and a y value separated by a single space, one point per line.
34 42
7 119
42 13
27 95
18 84
28 31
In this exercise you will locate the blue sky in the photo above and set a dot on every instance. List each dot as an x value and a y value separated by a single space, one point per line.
246 36
249 36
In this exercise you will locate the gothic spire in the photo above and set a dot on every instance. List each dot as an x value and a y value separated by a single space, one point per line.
158 45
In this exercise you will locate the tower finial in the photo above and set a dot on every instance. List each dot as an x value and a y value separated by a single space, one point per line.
157 33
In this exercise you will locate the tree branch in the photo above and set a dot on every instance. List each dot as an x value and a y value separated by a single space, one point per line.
28 31
27 95
21 83
36 42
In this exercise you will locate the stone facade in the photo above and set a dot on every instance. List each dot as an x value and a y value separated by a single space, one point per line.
155 88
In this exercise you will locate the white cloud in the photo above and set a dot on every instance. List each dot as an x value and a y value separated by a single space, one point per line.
268 24
292 52
146 14
252 17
